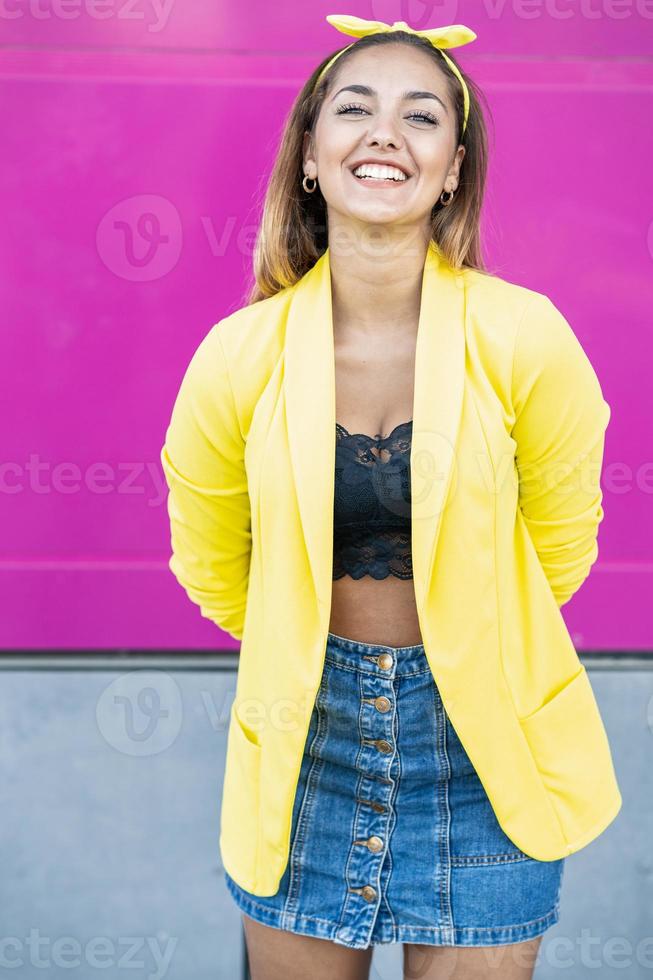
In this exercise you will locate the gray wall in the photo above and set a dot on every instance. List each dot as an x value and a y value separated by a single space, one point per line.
110 797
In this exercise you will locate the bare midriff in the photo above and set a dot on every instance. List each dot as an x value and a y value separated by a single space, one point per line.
375 611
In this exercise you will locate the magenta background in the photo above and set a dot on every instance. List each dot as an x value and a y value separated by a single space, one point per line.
108 120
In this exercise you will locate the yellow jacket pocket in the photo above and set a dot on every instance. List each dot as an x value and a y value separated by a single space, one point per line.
570 748
240 801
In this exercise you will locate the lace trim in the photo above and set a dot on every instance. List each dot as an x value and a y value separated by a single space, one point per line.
389 553
372 449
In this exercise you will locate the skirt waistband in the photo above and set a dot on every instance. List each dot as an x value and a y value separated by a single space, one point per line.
364 656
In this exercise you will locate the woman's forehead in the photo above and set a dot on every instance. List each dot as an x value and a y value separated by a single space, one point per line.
390 70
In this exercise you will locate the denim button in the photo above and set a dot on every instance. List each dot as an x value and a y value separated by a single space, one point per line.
375 844
377 807
368 893
385 661
382 704
383 746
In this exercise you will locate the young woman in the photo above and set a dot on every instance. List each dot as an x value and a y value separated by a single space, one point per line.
384 480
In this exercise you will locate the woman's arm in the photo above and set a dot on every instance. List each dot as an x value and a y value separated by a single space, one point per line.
208 502
560 422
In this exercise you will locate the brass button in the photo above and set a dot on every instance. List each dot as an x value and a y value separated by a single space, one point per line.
377 807
382 704
385 661
369 893
375 844
383 746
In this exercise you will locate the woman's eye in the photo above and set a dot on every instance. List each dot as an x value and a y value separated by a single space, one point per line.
349 108
426 116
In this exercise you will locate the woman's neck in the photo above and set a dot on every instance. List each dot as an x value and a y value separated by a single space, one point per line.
376 291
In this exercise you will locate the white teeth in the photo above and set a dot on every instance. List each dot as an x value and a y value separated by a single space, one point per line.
379 172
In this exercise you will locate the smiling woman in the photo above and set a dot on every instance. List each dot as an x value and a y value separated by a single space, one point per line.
366 464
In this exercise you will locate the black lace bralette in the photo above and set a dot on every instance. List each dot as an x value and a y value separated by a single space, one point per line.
372 526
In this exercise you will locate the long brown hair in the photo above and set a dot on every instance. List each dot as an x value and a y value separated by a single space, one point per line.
292 234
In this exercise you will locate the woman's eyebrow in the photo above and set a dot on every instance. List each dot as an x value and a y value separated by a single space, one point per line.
411 94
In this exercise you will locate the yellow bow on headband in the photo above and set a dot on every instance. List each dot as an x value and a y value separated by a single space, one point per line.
453 36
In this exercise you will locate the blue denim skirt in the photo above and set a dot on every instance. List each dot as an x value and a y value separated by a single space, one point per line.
393 836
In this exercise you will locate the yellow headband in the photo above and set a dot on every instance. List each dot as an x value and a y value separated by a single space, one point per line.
453 36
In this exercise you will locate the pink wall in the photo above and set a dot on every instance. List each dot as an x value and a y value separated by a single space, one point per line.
135 141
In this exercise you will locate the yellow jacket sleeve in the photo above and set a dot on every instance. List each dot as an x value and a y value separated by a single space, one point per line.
208 500
560 421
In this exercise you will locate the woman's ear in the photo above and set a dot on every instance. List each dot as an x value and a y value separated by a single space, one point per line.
308 150
454 170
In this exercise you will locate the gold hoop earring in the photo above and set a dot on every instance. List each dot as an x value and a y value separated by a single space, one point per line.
309 190
449 199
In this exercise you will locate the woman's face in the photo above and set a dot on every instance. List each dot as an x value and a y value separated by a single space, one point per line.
384 123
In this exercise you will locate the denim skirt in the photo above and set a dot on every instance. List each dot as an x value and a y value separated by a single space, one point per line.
393 837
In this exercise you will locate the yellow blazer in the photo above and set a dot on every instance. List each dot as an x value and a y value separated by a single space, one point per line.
508 435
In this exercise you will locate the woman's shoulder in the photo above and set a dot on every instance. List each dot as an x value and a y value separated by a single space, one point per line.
529 328
255 326
239 354
246 343
493 292
499 307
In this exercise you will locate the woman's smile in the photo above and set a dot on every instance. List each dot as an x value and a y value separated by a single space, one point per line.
379 182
